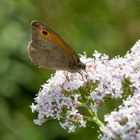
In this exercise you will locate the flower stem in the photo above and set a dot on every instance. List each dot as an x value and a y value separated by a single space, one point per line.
94 117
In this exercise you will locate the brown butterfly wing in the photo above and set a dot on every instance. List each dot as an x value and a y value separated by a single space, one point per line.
51 57
48 50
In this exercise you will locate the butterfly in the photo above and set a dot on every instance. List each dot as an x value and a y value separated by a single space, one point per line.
48 50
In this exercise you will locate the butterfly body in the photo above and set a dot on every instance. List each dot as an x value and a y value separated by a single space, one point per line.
48 50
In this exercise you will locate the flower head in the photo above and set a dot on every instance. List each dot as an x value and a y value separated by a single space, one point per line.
124 123
65 94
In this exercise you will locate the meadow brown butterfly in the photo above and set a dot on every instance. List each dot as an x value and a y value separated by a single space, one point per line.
48 50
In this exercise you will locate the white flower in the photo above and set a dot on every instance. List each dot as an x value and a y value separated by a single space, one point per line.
124 123
62 96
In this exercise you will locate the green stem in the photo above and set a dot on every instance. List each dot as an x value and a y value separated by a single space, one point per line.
94 118
97 121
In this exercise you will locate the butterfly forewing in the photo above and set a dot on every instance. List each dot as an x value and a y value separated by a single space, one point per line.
48 50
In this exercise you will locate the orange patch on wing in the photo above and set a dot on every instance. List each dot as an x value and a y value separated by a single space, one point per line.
61 43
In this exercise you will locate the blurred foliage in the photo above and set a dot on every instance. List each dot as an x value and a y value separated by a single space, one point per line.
108 26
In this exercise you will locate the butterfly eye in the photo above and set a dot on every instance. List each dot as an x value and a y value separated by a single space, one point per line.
44 32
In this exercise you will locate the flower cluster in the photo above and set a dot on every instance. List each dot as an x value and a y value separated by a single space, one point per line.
65 95
59 100
125 122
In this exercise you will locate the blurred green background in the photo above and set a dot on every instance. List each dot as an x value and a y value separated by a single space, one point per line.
109 26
